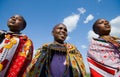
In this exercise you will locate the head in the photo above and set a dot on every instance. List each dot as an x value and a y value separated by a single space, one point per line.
102 27
59 33
16 23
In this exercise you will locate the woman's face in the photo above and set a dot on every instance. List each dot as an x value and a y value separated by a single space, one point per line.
15 23
102 27
60 33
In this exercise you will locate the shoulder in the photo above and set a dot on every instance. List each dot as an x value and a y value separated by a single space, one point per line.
25 37
44 46
98 43
42 49
71 47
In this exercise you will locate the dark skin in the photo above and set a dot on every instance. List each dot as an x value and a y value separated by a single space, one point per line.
102 27
59 33
16 23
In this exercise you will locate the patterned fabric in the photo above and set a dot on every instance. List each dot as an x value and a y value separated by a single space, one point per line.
40 65
103 58
15 54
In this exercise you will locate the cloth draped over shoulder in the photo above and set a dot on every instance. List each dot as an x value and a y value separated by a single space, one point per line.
15 54
39 66
103 58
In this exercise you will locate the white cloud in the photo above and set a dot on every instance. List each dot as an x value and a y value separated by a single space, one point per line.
91 34
81 10
83 46
89 18
99 0
115 26
67 38
71 21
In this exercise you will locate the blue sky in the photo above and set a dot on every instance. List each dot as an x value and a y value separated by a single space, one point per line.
78 15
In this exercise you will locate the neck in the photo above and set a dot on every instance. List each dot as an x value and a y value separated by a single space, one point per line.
15 32
102 36
59 43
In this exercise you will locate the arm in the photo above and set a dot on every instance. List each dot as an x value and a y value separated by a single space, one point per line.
36 63
29 53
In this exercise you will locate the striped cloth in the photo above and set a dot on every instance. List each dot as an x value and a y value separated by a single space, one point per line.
103 59
15 55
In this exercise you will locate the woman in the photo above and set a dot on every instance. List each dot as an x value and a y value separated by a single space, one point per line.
15 48
57 59
104 52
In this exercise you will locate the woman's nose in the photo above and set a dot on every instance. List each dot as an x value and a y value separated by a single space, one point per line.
63 30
